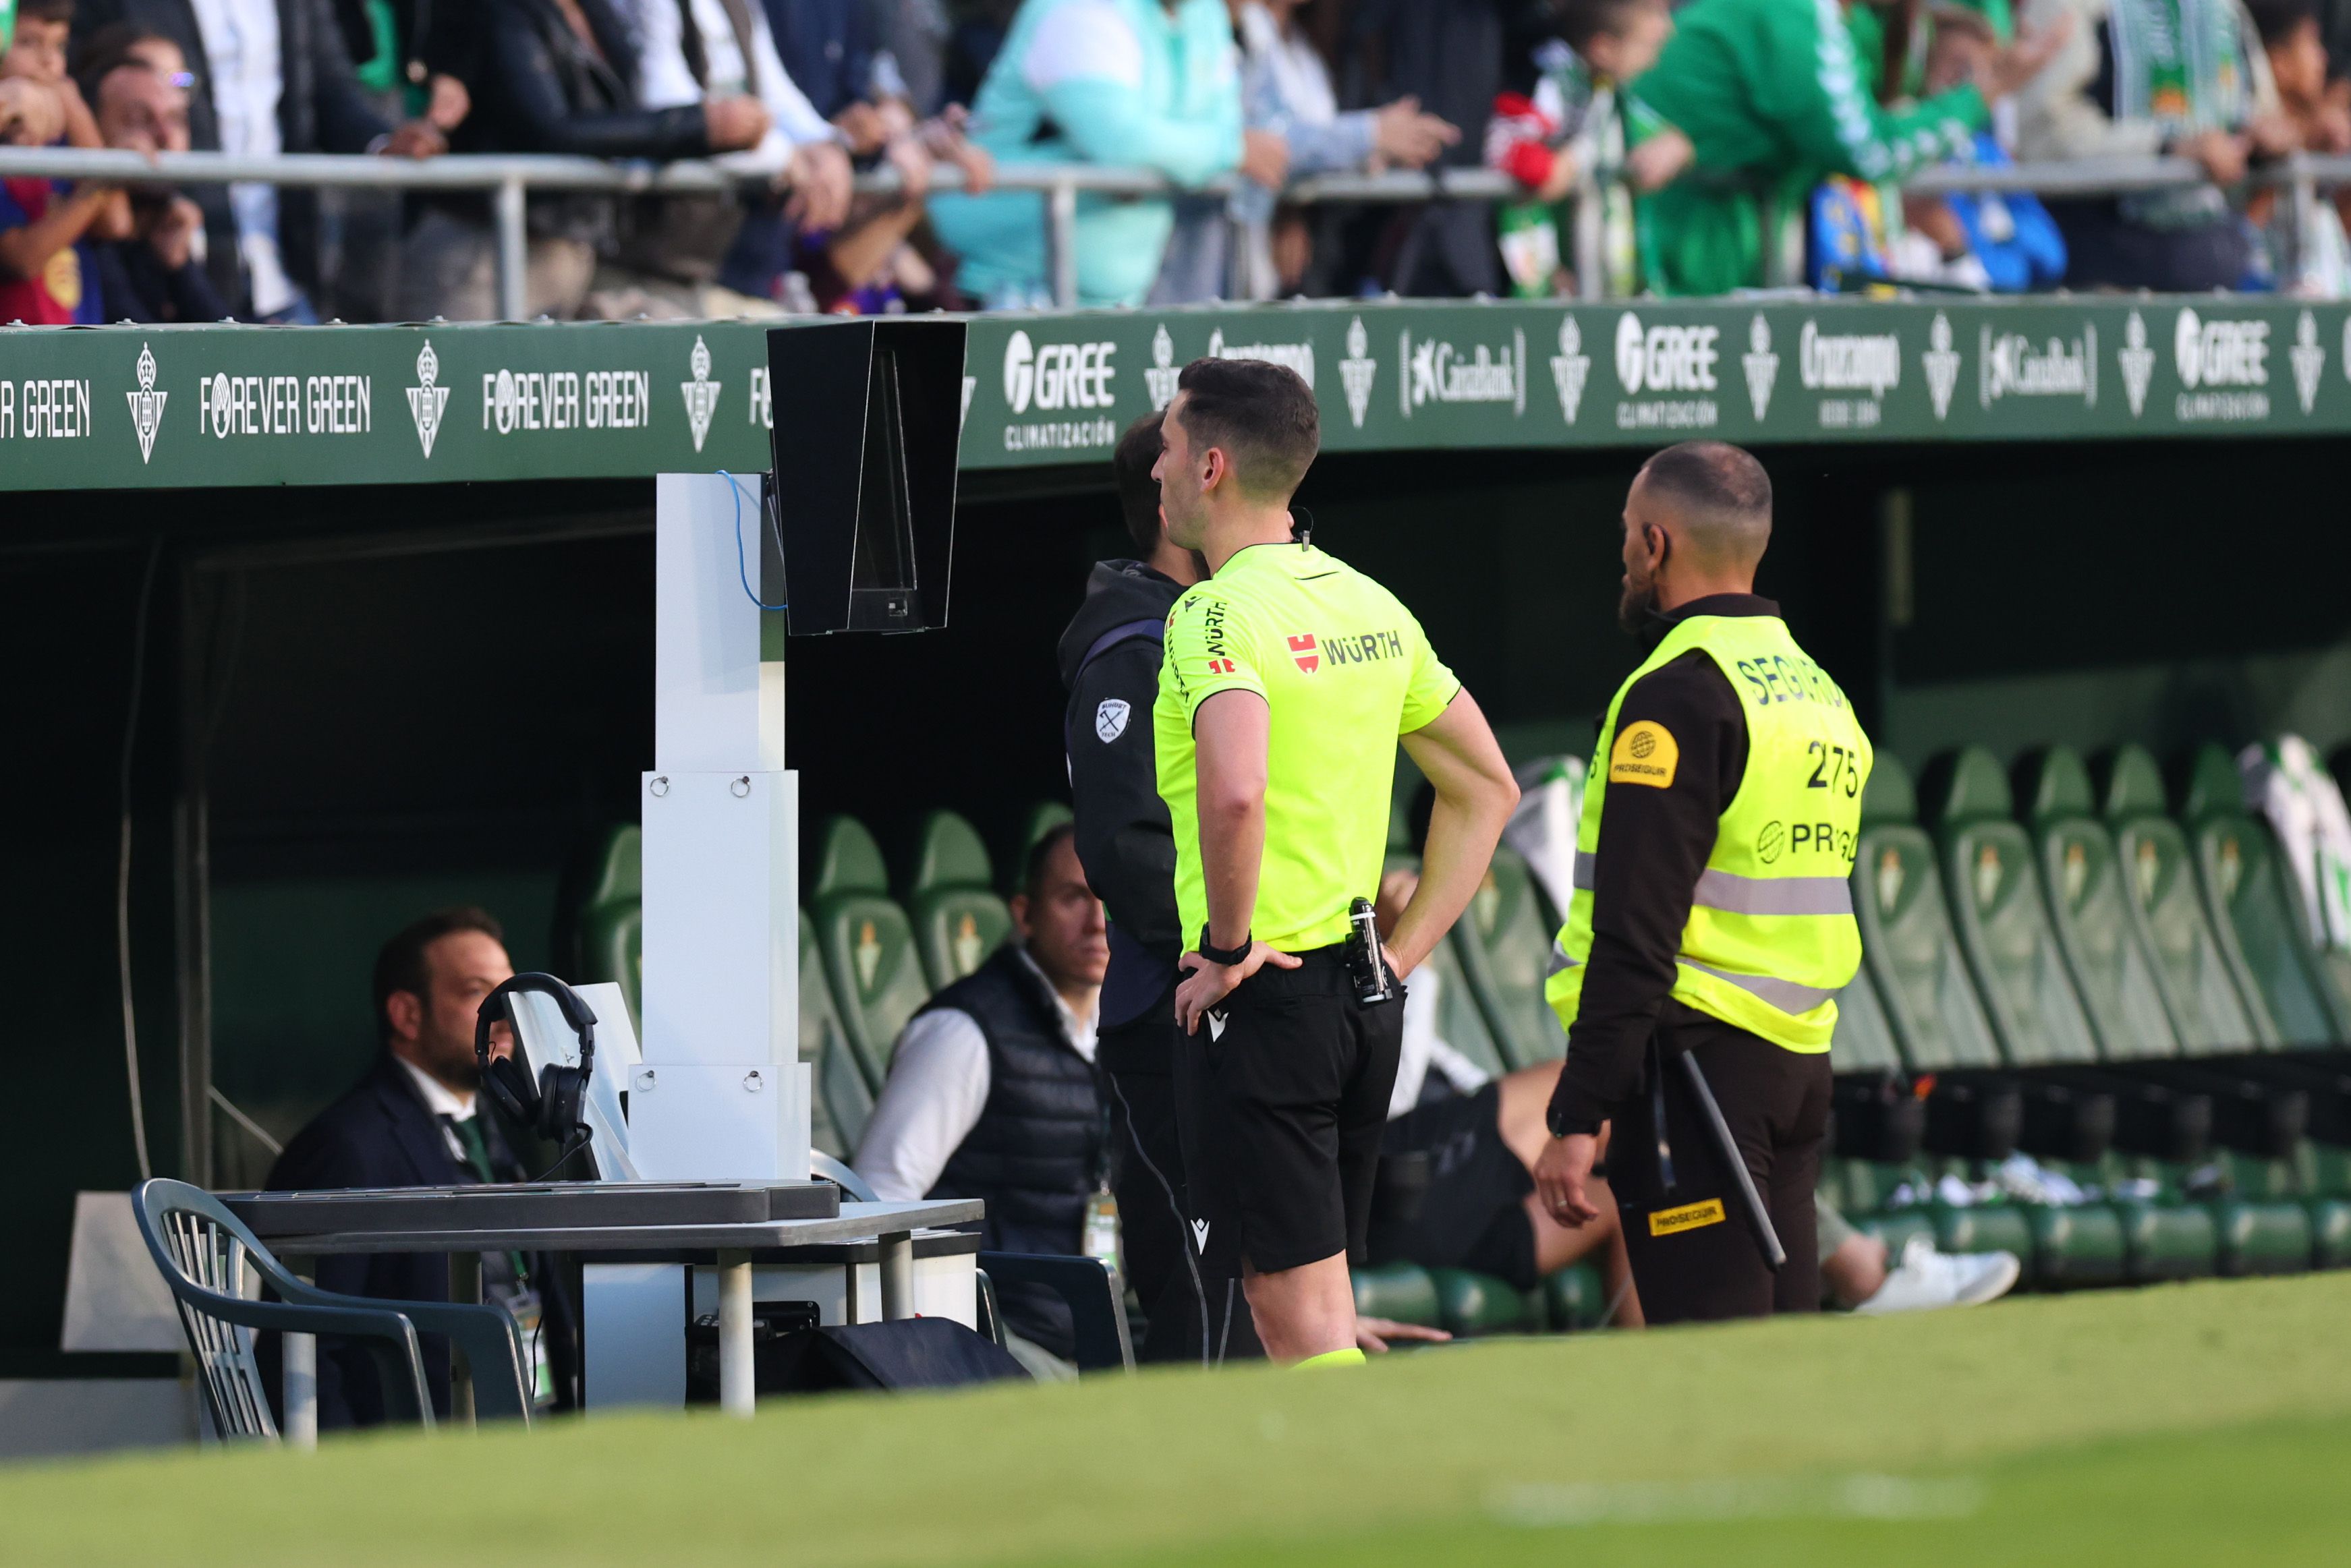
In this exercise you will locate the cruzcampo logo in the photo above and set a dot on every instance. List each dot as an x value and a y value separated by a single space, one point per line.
701 393
1359 369
427 400
1941 363
1569 368
146 405
1162 375
1763 366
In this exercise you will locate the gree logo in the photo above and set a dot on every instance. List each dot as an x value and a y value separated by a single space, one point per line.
2221 353
1665 358
1058 375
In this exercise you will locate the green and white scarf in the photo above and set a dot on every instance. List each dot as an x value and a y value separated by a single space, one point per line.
2181 64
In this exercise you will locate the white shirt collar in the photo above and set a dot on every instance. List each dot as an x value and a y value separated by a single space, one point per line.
1078 1030
439 1097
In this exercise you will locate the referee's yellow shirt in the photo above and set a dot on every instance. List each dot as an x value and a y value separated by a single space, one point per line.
1344 669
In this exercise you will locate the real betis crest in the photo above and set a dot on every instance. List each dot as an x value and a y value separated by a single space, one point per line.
1763 366
2309 359
1357 372
2137 362
701 393
427 400
1943 365
146 404
1569 368
1164 372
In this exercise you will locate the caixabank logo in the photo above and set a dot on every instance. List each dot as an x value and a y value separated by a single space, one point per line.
1076 381
1435 370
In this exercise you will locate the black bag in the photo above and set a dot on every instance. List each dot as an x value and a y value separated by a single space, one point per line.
912 1353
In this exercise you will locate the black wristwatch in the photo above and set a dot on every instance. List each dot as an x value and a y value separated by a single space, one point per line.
1569 1126
1225 957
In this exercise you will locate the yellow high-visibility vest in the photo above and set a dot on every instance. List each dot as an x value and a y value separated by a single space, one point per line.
1771 938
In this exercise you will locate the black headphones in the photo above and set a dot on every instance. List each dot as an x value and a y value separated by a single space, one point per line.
552 1108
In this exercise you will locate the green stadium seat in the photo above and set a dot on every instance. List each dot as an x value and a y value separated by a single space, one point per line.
1914 962
1864 1041
1027 829
2001 919
867 945
1575 1299
1460 1022
842 1102
2209 1008
609 930
1402 1292
2254 913
2084 1244
1504 946
1470 1304
950 896
2090 908
2167 1240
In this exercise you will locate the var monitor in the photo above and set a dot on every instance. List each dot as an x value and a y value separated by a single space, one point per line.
868 415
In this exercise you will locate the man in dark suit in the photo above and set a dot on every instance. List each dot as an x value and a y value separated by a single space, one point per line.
418 1119
270 76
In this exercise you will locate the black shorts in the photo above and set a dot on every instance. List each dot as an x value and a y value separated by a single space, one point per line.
1282 1095
1452 1195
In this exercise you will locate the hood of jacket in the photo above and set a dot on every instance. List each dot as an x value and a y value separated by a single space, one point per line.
1118 592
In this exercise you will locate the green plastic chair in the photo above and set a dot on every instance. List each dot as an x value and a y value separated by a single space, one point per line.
610 925
1031 825
1504 944
1920 979
867 945
2090 904
950 896
2211 1005
2255 915
207 1257
1864 1041
842 1103
2001 916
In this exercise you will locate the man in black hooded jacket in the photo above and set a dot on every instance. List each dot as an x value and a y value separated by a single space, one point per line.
1110 662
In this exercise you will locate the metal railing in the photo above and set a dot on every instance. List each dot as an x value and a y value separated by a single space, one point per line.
509 179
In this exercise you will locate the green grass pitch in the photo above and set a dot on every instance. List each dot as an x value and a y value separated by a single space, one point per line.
2198 1424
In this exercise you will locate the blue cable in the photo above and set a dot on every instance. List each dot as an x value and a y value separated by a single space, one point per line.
743 567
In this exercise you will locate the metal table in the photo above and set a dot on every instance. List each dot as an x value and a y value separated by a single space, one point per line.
892 1224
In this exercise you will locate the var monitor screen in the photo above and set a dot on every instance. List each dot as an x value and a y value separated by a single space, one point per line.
868 415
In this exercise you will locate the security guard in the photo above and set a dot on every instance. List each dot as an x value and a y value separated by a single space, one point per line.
1287 680
1712 916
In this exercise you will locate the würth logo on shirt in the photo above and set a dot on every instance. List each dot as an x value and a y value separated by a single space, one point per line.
1222 667
1363 648
1301 648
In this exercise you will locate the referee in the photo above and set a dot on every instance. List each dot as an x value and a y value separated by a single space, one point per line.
1287 680
1712 912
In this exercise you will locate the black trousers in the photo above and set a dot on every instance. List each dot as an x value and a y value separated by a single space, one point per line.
1139 1058
1695 1257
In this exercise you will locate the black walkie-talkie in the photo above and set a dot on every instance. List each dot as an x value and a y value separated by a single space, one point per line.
1364 965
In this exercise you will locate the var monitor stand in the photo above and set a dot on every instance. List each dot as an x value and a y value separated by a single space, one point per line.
853 531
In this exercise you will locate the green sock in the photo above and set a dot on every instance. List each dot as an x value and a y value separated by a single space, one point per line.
1331 1358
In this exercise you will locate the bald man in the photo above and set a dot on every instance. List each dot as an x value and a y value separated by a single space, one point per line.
1711 914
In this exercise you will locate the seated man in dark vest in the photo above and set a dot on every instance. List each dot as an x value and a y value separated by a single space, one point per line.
418 1119
992 1094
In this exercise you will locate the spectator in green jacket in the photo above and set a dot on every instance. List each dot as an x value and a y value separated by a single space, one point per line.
1773 97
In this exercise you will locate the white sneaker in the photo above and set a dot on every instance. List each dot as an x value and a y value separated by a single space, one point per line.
1926 1279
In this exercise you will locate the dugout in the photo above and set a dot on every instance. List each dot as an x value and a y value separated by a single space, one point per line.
358 621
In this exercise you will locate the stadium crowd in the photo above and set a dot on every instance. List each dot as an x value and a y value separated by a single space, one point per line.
1717 134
